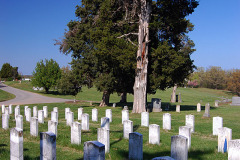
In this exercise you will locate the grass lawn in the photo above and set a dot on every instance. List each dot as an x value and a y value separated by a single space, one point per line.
4 96
203 143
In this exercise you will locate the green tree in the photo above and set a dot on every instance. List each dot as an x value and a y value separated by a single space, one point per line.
6 71
46 74
68 84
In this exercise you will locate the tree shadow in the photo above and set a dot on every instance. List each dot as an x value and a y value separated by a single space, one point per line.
112 143
198 154
31 158
135 127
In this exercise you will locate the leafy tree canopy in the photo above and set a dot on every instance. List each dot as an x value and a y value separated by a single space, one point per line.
8 72
46 74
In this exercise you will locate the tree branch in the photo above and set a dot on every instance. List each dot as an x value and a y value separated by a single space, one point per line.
132 42
125 35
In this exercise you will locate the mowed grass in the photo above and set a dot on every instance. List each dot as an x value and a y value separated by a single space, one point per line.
203 143
4 96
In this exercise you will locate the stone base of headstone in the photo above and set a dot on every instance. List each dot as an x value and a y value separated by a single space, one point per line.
94 150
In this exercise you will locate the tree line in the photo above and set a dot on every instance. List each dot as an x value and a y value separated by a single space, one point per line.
216 78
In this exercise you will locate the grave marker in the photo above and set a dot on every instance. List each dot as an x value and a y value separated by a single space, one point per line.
217 123
145 119
190 122
125 115
19 122
52 127
233 149
207 110
45 110
178 108
80 112
94 150
104 138
85 122
127 128
105 123
34 126
16 144
135 146
199 107
154 134
94 115
167 121
76 133
109 115
47 146
179 147
186 132
224 134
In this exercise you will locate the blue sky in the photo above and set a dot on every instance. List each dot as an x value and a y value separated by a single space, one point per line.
28 29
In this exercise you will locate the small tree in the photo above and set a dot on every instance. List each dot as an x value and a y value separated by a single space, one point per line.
6 71
46 74
68 84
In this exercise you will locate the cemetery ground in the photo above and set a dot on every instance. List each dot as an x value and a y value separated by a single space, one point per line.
203 143
4 96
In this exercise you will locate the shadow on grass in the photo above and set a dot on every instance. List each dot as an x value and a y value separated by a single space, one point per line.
116 141
135 127
31 158
198 154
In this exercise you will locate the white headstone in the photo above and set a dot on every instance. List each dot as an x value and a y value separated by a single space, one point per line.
109 115
19 122
40 116
54 116
52 127
28 114
105 123
76 133
25 110
10 108
207 110
34 126
179 147
154 134
233 149
217 123
199 107
6 111
85 122
35 111
3 108
5 121
80 112
145 119
55 109
186 132
114 105
127 128
167 121
178 108
94 115
224 134
94 150
216 103
70 118
190 122
17 111
104 138
125 115
135 146
16 144
47 146
45 109
66 110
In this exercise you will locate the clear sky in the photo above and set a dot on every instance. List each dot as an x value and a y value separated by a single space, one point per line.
28 29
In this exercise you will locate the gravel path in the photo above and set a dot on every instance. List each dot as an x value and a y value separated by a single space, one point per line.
26 97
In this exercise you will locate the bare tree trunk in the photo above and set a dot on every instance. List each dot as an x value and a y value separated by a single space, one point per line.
140 85
173 98
105 99
123 97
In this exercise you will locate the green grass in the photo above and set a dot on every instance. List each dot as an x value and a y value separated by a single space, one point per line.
203 146
4 96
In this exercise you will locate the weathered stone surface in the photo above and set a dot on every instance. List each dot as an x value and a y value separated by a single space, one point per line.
70 118
145 119
17 111
28 114
224 133
55 109
45 110
125 115
34 126
16 144
35 111
76 133
54 116
3 109
94 150
109 115
135 146
154 134
217 123
199 107
5 121
80 112
52 127
66 110
25 110
104 138
6 111
156 104
85 122
41 116
235 101
167 121
10 108
207 110
47 146
233 149
163 158
190 122
178 108
19 122
179 147
105 123
186 132
127 128
94 115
